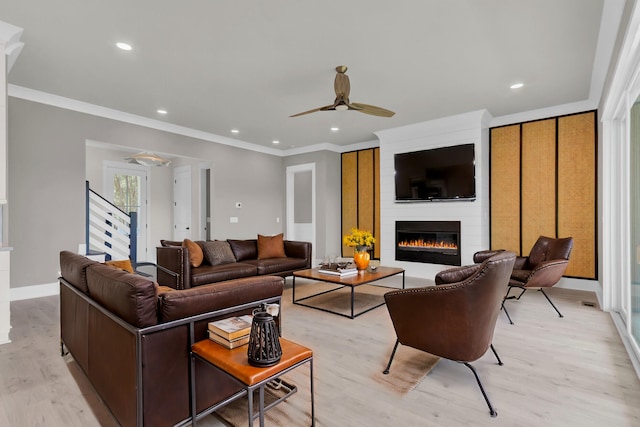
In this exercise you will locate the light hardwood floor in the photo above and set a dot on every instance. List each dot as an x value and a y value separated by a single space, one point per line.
572 371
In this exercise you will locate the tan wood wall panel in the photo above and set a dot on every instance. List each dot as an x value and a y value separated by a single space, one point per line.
505 188
577 191
538 181
376 211
365 190
349 196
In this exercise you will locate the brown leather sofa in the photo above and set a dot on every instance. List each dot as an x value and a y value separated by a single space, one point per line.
174 257
132 338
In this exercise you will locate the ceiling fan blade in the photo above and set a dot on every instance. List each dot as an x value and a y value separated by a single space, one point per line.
373 110
326 107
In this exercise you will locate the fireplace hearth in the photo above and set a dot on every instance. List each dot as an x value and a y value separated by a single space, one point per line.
434 242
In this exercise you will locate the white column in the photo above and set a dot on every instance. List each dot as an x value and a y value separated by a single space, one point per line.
10 47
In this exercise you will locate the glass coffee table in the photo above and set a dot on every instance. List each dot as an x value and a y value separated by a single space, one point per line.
353 281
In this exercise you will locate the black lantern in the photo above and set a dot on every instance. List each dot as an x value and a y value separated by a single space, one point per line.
264 343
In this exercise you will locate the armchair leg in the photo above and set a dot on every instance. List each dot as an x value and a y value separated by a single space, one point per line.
495 353
492 411
393 353
551 302
506 297
506 312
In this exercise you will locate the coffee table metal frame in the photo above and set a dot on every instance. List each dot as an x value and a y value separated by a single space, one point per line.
353 281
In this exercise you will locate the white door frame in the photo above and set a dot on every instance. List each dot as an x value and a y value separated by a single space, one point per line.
291 171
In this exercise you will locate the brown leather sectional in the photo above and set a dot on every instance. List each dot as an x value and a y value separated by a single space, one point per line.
132 339
174 257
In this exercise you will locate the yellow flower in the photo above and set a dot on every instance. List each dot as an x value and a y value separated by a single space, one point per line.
359 238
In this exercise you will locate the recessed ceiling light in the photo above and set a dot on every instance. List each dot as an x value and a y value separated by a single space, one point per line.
124 46
161 111
235 131
335 129
275 141
516 85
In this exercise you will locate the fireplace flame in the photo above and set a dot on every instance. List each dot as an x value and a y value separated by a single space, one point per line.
419 243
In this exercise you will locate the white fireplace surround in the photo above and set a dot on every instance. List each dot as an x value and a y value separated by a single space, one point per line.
465 128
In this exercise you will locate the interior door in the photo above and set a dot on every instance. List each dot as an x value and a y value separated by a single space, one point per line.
125 185
182 203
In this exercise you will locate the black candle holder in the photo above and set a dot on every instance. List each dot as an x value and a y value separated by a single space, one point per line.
264 343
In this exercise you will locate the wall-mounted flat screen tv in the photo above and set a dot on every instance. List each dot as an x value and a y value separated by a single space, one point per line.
446 173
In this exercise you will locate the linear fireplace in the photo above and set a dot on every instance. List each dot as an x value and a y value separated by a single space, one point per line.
435 242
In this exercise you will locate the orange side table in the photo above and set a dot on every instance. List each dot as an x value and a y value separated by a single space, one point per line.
236 364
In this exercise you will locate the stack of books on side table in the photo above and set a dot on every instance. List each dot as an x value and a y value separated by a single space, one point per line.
231 332
338 269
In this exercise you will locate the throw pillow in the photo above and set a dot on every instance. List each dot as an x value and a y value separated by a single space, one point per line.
270 247
124 264
195 252
218 252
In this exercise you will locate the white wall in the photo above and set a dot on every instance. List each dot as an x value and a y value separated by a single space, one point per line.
473 215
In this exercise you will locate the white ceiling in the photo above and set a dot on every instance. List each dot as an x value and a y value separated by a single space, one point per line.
218 65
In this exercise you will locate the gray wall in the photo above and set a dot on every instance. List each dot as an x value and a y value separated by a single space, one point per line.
46 156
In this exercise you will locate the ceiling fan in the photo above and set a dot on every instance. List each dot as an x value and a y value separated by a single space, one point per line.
341 86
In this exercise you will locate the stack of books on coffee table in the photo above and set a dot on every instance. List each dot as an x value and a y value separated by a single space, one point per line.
338 269
231 332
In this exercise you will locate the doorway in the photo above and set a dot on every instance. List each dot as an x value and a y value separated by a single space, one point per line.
127 187
301 204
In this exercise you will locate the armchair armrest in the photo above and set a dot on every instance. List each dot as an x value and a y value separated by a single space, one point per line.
174 259
480 256
456 274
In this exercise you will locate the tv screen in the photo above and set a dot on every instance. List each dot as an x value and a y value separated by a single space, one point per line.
446 173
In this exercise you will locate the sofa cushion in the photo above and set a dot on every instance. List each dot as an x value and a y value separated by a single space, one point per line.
129 296
278 265
73 268
218 252
215 296
244 249
207 274
195 252
270 247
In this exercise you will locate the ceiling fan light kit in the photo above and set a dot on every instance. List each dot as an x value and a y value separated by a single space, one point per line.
148 159
342 88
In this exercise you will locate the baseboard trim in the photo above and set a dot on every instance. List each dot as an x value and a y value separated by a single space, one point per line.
34 291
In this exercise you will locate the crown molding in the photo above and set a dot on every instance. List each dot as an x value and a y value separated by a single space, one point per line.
108 113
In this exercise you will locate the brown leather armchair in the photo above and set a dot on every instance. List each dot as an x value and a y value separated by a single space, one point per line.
543 268
456 318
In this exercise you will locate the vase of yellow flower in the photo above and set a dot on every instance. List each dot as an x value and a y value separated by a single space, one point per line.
361 241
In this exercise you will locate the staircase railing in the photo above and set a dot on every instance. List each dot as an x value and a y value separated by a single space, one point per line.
109 229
